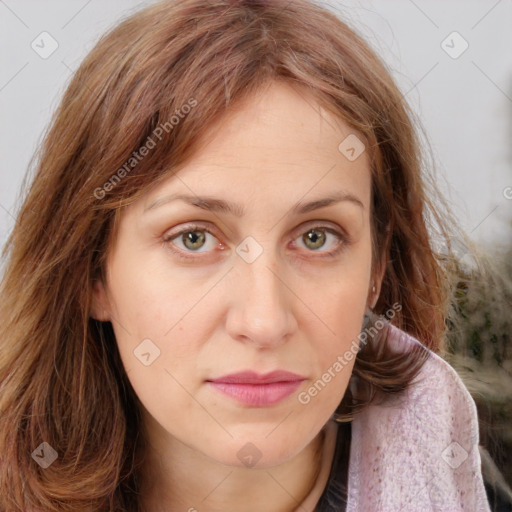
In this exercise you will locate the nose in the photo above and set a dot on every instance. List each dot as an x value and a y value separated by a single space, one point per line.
261 306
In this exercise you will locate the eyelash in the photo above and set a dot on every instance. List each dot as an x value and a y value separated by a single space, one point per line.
343 240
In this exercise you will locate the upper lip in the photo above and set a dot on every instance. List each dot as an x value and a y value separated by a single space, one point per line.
251 377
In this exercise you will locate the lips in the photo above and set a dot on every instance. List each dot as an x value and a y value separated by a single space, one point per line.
250 377
257 390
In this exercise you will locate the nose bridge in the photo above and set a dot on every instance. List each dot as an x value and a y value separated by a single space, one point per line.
261 306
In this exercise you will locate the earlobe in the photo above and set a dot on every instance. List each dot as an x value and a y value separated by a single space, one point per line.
376 287
376 283
99 302
378 274
374 296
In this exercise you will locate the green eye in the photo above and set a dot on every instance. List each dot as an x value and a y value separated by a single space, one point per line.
196 240
193 240
314 238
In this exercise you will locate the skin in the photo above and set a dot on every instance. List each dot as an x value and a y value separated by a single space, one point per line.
215 313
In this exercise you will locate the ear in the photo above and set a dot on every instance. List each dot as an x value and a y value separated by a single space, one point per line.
100 307
378 274
376 283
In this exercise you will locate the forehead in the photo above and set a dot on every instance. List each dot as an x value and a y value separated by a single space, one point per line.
278 139
277 118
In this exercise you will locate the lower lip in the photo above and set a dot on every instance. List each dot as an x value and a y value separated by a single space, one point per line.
257 395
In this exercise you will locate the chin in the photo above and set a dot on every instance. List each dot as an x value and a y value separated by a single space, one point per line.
256 451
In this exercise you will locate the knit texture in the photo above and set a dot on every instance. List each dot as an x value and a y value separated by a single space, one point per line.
418 451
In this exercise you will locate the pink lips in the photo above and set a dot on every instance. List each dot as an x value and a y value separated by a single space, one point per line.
258 390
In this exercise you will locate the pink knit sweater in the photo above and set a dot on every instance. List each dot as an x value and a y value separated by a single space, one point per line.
414 453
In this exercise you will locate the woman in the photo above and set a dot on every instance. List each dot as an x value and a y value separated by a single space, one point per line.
229 298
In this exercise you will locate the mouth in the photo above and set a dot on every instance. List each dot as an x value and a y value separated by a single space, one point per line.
257 390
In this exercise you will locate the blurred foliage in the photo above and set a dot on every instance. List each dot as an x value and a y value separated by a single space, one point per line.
478 345
481 317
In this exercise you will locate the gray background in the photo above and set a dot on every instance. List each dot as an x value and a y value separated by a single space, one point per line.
464 103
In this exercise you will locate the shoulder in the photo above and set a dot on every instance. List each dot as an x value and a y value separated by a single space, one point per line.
418 450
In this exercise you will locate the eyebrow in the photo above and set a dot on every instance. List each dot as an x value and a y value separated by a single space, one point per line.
223 206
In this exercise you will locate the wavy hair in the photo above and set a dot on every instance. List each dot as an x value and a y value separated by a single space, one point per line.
61 378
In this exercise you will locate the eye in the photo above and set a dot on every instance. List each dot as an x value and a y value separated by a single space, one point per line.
192 239
198 239
318 237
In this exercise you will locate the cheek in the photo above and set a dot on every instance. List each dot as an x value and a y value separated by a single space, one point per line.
339 303
334 356
158 326
339 298
150 295
336 351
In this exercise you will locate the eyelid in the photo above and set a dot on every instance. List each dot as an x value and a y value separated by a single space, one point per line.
185 228
320 224
188 227
343 238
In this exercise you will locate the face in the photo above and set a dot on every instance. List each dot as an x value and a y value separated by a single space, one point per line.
248 270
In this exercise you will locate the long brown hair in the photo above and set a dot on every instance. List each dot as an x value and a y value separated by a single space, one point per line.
173 69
